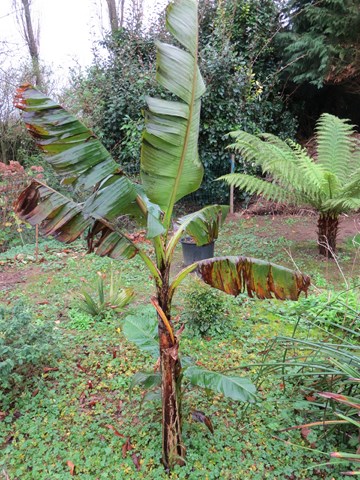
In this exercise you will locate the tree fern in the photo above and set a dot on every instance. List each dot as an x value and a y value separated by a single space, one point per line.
330 183
335 146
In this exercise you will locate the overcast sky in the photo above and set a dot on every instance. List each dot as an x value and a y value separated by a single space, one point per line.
67 29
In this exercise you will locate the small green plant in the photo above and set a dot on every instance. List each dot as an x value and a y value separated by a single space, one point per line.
106 298
205 309
79 320
25 346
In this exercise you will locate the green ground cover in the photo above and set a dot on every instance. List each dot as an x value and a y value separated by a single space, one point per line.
77 417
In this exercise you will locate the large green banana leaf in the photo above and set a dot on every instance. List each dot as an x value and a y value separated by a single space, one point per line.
65 220
80 159
170 166
142 329
237 388
236 275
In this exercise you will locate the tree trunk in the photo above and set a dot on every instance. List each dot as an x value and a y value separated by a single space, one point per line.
328 225
113 16
31 42
173 451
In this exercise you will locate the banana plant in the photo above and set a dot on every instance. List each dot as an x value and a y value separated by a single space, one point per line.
170 170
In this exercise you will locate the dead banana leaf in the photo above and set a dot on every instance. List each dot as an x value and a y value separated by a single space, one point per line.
236 275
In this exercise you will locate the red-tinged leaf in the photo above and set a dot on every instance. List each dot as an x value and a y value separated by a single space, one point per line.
235 275
118 434
81 368
43 302
50 369
202 418
66 220
126 447
35 392
351 402
71 467
136 461
305 432
350 457
310 398
315 424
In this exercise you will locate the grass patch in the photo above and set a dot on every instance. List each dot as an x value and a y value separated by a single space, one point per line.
82 414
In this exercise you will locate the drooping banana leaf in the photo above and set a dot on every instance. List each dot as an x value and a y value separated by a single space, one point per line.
235 275
170 166
203 226
80 160
142 329
237 388
65 220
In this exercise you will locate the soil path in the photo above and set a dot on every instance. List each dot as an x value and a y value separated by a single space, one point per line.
10 277
296 227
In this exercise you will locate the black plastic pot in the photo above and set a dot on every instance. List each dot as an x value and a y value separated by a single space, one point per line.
192 253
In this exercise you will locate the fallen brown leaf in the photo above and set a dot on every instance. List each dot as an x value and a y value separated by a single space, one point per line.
126 447
71 467
118 434
136 460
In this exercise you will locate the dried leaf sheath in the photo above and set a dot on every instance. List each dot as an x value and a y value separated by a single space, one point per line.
236 275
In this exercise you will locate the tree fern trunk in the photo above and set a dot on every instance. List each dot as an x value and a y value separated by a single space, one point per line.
328 225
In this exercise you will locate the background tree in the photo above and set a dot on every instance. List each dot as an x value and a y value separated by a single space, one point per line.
30 35
319 46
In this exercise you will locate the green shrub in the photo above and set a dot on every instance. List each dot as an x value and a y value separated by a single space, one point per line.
205 309
25 346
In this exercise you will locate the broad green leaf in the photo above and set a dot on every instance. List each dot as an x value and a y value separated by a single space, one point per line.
203 225
80 159
234 387
170 167
64 219
236 275
146 380
69 146
142 329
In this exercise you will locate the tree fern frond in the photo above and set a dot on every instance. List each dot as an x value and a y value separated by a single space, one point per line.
250 147
332 185
312 178
342 204
270 191
335 145
274 156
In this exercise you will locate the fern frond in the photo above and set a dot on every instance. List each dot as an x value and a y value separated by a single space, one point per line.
250 147
342 204
335 146
271 153
332 185
270 191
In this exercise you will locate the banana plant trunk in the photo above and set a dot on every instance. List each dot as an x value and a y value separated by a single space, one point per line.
173 451
328 225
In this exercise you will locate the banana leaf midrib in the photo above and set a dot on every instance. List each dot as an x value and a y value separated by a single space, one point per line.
168 213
